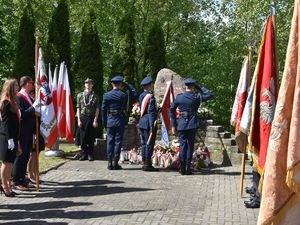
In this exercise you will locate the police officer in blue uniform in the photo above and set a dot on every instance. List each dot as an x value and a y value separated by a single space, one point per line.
148 116
114 106
188 104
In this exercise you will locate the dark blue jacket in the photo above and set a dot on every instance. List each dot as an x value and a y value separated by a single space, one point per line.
27 121
114 105
150 114
188 104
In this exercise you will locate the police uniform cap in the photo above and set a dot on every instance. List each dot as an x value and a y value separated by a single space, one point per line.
88 80
117 79
189 82
147 80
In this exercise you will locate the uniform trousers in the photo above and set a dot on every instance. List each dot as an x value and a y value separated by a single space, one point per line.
147 149
187 140
87 134
114 141
20 164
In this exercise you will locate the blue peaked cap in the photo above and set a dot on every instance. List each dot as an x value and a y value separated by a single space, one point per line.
147 80
189 82
117 79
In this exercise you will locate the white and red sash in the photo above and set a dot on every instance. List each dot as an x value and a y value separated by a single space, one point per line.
25 96
145 103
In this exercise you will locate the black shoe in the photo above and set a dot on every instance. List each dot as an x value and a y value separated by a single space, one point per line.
110 166
90 157
250 200
182 168
250 190
148 166
11 194
83 157
188 169
252 205
143 167
116 165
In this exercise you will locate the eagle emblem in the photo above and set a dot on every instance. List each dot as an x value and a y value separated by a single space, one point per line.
267 108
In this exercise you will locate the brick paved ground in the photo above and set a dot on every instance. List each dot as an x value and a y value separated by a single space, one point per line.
86 193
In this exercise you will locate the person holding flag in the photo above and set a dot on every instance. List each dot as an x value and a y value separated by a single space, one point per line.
114 106
188 104
26 105
148 116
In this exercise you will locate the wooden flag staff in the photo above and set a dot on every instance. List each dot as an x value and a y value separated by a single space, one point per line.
244 147
37 130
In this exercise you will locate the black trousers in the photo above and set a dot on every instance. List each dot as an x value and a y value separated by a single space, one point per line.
20 164
87 134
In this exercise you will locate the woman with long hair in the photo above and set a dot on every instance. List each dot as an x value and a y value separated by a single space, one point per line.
9 133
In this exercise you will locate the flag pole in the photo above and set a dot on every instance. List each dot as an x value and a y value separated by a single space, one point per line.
37 130
273 13
244 148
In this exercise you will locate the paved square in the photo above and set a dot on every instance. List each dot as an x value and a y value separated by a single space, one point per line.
87 193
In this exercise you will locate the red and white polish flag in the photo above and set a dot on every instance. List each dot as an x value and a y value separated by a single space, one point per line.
48 127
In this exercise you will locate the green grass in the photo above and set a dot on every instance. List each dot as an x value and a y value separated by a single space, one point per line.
47 163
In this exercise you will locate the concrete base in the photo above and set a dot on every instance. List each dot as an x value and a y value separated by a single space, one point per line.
54 153
100 150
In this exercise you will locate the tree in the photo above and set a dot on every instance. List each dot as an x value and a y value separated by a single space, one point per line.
3 52
59 40
24 64
155 51
89 62
125 49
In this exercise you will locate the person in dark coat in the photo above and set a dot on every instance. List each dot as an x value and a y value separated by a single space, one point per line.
114 106
148 116
188 122
9 133
27 131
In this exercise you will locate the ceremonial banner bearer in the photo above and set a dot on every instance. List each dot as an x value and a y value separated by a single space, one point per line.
27 131
188 104
114 106
148 116
88 111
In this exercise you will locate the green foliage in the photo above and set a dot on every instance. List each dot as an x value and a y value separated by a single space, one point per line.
89 63
59 42
125 49
155 51
3 52
24 64
204 39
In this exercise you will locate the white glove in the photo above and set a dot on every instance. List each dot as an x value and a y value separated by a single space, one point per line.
36 103
11 144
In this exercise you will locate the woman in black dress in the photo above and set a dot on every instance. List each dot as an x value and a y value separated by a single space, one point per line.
9 133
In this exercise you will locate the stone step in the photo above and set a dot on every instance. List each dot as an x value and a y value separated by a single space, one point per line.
234 148
225 134
212 134
219 157
226 142
215 128
209 122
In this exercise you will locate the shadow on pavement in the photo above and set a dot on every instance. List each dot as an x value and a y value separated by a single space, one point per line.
219 172
84 188
35 222
52 214
43 205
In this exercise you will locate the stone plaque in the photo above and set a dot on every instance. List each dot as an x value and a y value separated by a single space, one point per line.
160 84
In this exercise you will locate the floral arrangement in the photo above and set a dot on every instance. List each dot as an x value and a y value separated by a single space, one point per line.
201 158
202 112
136 111
168 156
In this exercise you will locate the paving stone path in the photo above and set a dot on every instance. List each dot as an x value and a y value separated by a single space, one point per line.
87 193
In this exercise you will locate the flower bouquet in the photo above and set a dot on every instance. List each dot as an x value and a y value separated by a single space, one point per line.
201 158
